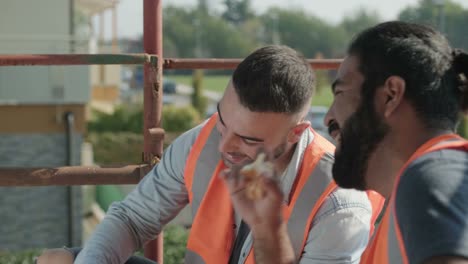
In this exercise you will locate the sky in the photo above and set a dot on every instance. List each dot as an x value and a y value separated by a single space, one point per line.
130 12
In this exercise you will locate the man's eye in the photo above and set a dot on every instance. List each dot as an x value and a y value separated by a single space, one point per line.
250 142
337 92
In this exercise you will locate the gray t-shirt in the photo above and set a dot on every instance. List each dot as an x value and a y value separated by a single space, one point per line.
432 205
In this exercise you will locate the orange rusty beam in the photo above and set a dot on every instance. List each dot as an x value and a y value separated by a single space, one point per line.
205 63
73 175
150 60
75 59
152 101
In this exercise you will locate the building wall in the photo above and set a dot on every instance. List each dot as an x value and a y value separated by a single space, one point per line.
38 217
44 84
40 27
33 101
47 16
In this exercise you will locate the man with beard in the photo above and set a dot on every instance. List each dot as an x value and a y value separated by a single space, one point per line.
264 106
397 99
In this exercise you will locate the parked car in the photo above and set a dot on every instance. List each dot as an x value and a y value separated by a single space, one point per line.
316 117
169 86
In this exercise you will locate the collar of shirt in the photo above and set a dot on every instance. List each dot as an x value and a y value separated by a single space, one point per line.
289 174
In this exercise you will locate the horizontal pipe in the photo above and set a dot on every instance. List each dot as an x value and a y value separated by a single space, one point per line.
73 175
157 133
174 63
169 63
74 59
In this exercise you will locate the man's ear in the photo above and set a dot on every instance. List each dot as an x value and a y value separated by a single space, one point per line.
391 95
296 132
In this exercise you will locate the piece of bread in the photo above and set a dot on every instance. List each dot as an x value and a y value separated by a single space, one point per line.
252 172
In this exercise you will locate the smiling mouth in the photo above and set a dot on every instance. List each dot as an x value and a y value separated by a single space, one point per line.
234 159
336 135
334 131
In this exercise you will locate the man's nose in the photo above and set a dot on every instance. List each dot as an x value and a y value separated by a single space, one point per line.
228 143
329 117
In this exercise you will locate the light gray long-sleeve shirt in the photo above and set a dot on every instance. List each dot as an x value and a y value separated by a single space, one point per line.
339 232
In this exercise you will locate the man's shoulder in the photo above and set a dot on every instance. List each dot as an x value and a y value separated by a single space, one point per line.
438 169
432 195
350 202
189 137
346 198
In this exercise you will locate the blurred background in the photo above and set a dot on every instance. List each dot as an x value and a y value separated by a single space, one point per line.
93 115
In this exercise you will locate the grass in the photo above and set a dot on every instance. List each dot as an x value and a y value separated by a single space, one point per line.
218 83
323 97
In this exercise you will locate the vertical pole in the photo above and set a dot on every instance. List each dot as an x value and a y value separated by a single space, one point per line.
152 101
114 28
69 119
71 29
102 71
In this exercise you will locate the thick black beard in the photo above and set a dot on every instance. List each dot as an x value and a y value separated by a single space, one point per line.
360 136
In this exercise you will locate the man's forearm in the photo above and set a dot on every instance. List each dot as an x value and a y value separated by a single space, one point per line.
273 246
112 242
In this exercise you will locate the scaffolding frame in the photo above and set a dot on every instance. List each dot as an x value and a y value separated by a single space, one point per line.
153 62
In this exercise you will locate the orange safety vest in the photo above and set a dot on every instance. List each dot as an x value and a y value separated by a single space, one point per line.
212 234
387 246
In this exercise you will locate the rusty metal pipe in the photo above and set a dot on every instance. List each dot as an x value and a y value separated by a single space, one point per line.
73 175
74 59
152 102
204 63
168 63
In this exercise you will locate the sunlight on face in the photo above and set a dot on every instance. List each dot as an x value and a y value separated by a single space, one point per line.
243 132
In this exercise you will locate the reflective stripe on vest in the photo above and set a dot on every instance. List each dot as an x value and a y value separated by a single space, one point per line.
316 181
196 165
387 247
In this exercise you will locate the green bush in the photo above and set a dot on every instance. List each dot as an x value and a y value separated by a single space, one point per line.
130 119
178 119
175 241
118 138
111 148
123 119
19 257
199 101
121 147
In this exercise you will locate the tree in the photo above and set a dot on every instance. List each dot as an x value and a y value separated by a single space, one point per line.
203 6
199 101
304 32
450 18
179 31
358 21
192 33
221 40
237 11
